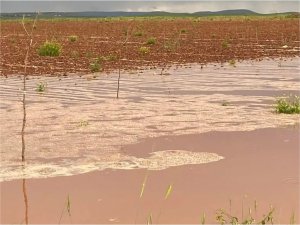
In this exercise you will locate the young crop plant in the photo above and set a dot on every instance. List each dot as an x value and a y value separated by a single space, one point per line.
288 105
144 50
183 31
73 38
95 66
151 41
50 48
138 33
232 62
41 87
225 44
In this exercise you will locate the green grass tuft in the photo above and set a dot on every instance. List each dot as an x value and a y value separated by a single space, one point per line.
41 87
50 48
151 41
138 33
95 66
288 105
144 50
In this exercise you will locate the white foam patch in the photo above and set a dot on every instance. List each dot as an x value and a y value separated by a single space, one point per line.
159 160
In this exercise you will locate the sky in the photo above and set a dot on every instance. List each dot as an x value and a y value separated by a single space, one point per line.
267 6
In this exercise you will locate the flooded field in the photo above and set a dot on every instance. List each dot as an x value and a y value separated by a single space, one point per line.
166 124
77 125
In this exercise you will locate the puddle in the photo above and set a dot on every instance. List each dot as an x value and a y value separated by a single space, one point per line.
79 119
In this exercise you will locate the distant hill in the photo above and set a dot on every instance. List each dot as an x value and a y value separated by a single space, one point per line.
237 12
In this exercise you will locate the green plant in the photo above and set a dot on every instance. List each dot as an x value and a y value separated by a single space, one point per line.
225 103
232 62
95 66
288 105
41 87
138 33
183 31
151 41
225 44
73 38
50 48
144 50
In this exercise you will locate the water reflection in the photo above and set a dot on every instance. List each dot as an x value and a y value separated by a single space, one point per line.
25 199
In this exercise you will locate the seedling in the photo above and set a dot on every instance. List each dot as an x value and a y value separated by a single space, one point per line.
232 62
225 103
138 33
151 41
144 50
95 66
225 44
183 31
73 38
41 87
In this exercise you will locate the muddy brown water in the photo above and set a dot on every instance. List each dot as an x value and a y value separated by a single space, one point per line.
174 126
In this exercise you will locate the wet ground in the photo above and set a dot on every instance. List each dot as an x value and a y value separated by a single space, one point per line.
181 40
199 129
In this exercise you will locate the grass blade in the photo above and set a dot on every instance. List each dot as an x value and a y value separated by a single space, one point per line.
169 191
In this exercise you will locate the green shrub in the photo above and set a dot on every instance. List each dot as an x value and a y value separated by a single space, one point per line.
73 38
49 49
288 105
151 41
144 50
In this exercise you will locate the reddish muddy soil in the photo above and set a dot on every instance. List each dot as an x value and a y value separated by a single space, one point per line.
177 41
259 166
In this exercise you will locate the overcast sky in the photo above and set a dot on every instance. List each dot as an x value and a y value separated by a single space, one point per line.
269 6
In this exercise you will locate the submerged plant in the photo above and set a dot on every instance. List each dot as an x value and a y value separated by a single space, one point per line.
288 105
50 48
225 103
41 87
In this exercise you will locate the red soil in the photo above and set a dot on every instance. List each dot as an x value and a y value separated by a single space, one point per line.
180 41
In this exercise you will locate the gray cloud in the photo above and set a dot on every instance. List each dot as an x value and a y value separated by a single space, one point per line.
143 6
